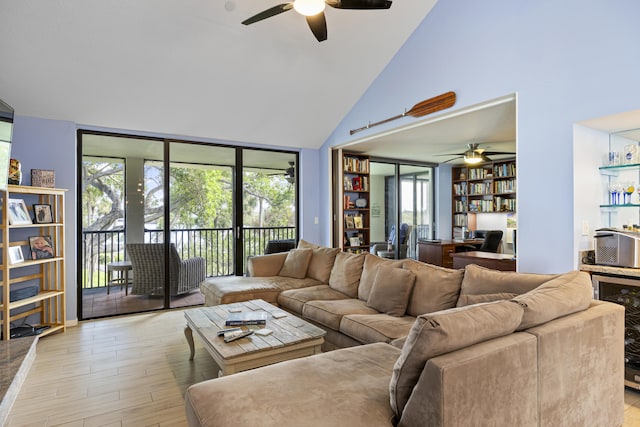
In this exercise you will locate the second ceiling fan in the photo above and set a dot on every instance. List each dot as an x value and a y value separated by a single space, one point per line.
314 12
474 154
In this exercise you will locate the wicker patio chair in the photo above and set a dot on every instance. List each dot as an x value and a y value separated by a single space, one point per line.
147 260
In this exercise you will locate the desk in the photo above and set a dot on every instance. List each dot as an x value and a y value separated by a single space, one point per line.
438 252
502 262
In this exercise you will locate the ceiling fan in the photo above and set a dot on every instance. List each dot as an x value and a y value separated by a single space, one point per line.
474 154
314 11
289 173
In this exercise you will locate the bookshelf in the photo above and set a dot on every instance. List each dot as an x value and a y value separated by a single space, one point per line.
44 274
354 212
484 188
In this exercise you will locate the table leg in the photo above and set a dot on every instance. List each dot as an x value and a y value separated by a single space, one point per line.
188 333
126 282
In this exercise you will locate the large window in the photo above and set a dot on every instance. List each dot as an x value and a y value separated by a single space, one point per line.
217 205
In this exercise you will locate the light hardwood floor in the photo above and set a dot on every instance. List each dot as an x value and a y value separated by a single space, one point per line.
128 371
125 371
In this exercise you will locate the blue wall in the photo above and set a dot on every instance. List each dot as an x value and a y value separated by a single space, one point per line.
567 61
51 144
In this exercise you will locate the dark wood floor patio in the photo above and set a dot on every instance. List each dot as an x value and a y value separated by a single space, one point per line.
97 303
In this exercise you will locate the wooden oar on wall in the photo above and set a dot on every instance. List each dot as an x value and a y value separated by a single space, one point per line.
431 105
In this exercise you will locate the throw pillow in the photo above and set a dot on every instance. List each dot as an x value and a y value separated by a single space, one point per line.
390 291
321 261
436 288
296 263
443 332
566 294
345 274
369 271
481 280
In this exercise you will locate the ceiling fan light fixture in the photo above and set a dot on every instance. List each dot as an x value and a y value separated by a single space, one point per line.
472 157
309 7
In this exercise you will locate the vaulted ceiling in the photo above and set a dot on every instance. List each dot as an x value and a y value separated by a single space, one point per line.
189 68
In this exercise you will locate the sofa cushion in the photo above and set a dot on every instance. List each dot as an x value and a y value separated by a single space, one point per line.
329 313
391 290
369 271
265 265
228 289
370 328
320 390
446 331
566 294
296 263
294 299
436 288
346 272
483 282
321 261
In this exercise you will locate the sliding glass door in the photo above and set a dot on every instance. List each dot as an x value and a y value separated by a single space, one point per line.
198 209
401 206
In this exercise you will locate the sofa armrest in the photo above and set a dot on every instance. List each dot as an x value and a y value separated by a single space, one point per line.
456 385
266 265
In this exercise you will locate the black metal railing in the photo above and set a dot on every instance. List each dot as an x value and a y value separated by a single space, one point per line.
215 245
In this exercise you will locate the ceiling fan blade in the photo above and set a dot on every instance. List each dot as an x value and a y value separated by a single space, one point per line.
450 160
318 25
359 4
495 153
273 11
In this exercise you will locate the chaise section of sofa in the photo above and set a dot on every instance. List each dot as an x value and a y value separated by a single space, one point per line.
347 387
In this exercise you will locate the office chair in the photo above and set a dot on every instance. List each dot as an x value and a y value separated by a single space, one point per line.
491 243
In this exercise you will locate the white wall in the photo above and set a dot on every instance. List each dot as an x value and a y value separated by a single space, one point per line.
567 61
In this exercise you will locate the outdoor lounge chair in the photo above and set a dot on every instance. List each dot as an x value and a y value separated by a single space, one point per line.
147 260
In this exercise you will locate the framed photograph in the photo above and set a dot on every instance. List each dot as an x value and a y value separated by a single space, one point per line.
15 255
354 241
357 221
18 214
41 247
348 221
42 214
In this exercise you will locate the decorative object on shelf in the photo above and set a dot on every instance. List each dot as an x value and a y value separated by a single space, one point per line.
15 255
43 178
361 203
42 214
41 247
357 221
18 214
354 241
428 106
15 172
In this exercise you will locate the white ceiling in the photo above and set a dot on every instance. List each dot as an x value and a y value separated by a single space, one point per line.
189 67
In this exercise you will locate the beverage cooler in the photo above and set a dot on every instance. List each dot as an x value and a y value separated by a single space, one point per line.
626 292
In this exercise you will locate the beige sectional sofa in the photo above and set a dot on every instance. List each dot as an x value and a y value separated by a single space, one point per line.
424 346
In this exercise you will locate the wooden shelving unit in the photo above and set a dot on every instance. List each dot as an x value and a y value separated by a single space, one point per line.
354 210
47 274
482 188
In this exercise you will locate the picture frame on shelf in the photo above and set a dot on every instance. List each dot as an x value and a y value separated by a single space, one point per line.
15 255
354 241
348 221
42 214
357 221
18 213
41 247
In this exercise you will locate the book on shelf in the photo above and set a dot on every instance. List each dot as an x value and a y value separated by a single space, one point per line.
247 318
357 221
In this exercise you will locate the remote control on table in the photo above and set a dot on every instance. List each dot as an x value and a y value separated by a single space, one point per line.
221 332
232 336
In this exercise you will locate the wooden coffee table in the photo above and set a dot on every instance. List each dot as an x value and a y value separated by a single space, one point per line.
292 337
